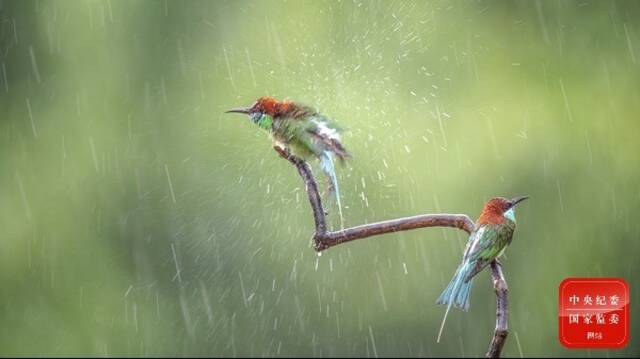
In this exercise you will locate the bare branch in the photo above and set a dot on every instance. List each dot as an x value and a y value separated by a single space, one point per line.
312 190
502 311
331 239
323 240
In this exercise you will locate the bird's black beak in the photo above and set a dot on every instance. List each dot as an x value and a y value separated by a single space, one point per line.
243 110
517 200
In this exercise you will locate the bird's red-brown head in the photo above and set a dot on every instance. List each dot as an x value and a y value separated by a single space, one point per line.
267 105
494 210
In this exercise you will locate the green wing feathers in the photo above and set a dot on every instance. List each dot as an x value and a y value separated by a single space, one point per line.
318 134
492 240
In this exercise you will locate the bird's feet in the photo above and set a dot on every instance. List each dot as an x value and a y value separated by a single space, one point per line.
283 152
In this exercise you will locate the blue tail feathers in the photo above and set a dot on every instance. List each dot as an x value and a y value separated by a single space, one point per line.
326 162
456 293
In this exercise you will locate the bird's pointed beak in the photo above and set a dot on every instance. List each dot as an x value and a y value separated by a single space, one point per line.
243 110
517 200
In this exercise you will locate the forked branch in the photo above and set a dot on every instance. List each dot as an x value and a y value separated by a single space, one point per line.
323 239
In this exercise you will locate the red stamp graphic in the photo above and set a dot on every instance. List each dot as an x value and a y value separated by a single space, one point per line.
594 313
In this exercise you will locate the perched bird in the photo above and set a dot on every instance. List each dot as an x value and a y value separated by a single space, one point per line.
494 231
303 131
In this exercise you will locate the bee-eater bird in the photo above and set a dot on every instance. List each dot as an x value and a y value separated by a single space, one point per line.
303 131
494 231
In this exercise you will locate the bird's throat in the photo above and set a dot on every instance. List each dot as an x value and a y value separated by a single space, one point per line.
265 122
510 215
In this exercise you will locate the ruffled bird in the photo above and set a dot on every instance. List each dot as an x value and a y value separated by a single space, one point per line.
305 132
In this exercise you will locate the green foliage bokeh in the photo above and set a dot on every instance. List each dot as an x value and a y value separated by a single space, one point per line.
138 219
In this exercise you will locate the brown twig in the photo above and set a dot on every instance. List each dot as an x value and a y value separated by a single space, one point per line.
502 311
323 239
330 239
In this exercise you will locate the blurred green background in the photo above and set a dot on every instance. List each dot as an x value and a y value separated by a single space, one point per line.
138 219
